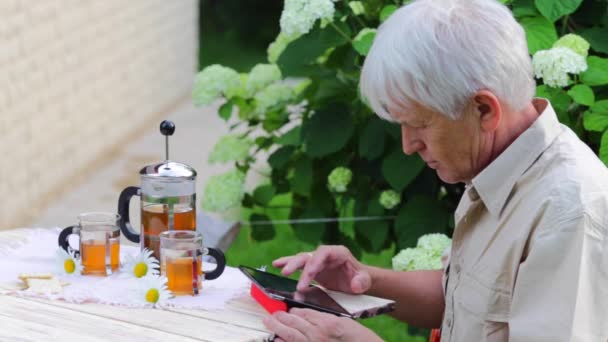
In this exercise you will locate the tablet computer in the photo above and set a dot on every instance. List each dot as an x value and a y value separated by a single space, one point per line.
317 298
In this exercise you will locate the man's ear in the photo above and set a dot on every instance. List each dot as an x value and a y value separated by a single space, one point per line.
488 109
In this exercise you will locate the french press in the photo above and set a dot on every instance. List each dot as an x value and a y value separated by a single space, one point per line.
167 196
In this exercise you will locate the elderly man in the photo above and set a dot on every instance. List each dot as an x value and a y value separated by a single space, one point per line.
529 260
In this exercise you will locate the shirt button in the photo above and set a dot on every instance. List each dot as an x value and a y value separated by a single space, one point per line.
466 219
449 323
457 268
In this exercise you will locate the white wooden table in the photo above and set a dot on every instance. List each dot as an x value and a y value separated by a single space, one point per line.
28 319
33 319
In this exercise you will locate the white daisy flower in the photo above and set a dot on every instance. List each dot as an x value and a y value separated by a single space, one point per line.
67 263
153 290
144 264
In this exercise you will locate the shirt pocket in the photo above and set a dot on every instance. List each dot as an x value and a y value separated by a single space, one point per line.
488 307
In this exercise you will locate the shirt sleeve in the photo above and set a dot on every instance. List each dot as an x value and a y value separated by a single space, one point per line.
561 291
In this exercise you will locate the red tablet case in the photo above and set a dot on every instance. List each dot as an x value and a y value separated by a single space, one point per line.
270 304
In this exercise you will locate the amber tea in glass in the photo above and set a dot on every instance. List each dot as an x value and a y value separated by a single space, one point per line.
94 253
181 255
99 242
155 218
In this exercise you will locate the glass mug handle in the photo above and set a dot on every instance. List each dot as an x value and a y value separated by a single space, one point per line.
63 242
123 211
220 261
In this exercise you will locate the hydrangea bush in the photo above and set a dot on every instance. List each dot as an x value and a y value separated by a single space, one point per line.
332 157
427 255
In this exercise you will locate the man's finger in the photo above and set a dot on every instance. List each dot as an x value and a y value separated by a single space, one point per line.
361 282
296 263
313 317
296 322
313 266
286 333
280 262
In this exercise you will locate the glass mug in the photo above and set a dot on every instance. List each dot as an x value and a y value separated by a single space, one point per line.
99 245
181 255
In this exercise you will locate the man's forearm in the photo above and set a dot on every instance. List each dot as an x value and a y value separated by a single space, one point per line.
418 294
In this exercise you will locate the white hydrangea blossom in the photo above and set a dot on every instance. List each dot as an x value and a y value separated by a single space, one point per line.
405 260
230 148
213 82
389 199
574 42
272 95
339 179
299 16
224 192
554 65
276 48
261 76
426 256
434 243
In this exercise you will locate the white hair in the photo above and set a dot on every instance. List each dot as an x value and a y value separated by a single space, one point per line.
438 53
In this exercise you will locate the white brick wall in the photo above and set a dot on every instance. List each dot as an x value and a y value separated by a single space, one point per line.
70 70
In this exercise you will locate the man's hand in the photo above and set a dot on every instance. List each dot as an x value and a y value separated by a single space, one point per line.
334 267
303 325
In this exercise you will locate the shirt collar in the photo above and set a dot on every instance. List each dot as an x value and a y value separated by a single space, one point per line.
495 183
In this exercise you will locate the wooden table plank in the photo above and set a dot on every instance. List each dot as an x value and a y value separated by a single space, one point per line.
242 312
173 321
29 320
18 330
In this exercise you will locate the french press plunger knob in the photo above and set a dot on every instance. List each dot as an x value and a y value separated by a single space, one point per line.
167 128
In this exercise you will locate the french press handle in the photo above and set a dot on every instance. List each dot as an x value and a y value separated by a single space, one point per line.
123 210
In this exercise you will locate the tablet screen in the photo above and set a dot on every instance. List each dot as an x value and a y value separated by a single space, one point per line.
286 288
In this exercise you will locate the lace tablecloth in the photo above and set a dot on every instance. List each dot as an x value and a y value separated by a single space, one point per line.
34 251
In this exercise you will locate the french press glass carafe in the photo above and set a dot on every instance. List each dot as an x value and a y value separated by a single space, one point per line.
168 199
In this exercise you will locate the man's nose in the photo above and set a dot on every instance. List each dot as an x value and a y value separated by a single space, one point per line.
409 144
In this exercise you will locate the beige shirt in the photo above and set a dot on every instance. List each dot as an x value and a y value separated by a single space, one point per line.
529 260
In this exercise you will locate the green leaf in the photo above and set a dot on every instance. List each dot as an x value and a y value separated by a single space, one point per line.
554 9
597 71
598 38
264 142
540 33
371 140
420 215
302 177
300 54
261 232
582 94
310 232
560 100
347 209
375 232
327 131
225 110
332 90
392 129
364 40
400 170
245 108
263 194
604 148
387 11
280 157
596 118
291 138
524 8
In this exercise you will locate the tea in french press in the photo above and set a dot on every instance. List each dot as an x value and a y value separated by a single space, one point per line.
167 197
